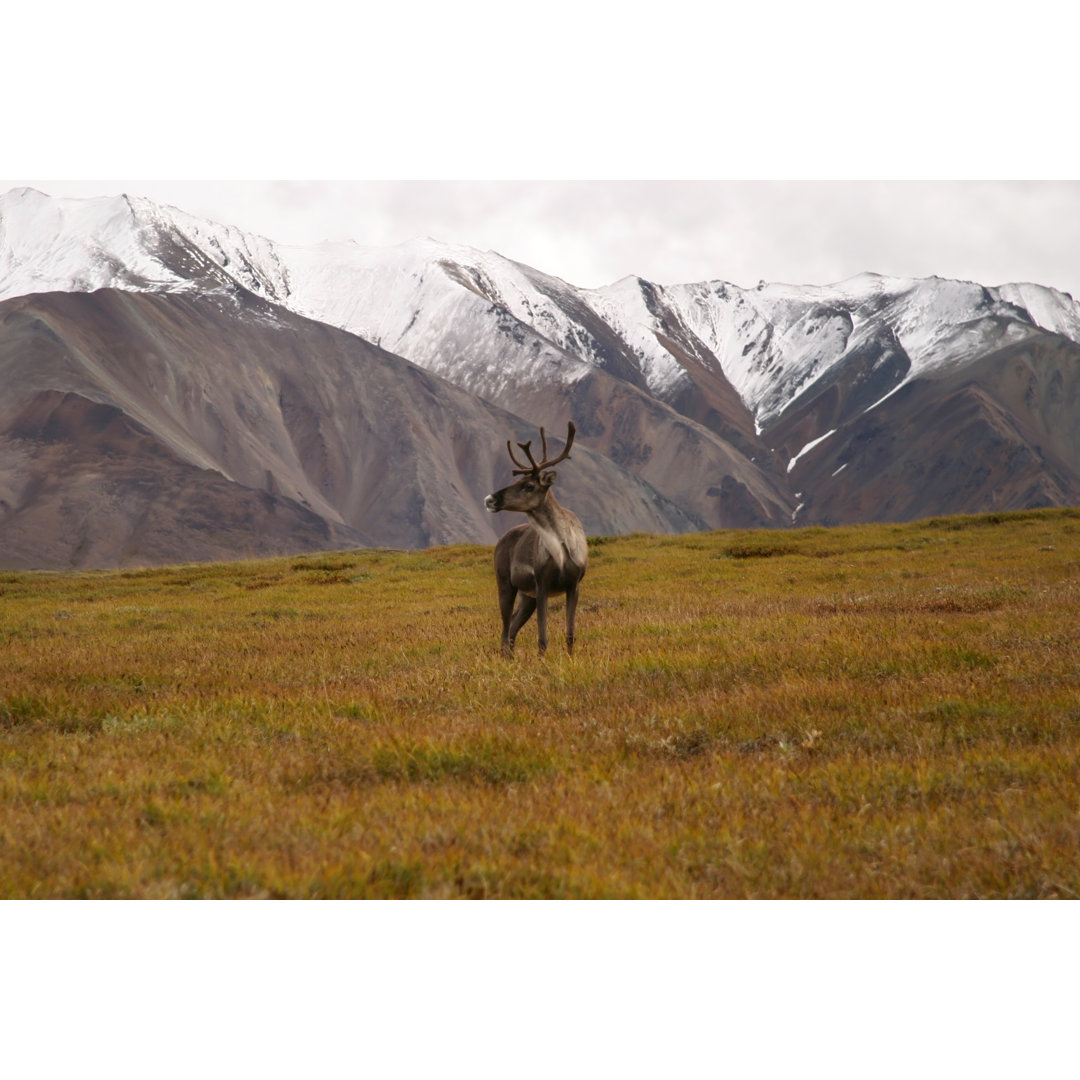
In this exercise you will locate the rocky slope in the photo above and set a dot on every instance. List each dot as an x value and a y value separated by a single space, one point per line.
364 395
145 428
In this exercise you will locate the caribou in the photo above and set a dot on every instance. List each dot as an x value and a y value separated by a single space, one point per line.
545 557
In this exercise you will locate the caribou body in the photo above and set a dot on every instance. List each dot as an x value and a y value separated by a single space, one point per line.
546 556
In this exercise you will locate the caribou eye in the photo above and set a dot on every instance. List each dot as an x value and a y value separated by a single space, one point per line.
527 487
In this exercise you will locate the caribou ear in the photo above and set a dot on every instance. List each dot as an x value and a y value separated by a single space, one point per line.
548 478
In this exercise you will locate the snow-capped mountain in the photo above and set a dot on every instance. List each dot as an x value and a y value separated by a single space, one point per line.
771 343
733 406
81 245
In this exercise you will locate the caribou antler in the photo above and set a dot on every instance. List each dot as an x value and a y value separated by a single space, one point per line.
533 467
521 469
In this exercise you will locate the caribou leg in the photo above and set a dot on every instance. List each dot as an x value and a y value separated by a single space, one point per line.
526 606
571 614
507 595
541 619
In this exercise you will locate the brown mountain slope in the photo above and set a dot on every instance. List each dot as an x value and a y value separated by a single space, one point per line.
993 434
146 428
82 485
141 428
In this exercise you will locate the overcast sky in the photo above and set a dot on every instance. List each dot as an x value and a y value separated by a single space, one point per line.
593 232
907 141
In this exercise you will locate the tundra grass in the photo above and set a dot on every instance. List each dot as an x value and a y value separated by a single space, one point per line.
883 711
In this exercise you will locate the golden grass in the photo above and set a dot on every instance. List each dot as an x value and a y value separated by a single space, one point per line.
881 711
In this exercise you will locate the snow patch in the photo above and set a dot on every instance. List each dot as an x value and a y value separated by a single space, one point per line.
808 447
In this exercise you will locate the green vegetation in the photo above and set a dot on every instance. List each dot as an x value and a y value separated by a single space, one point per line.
881 711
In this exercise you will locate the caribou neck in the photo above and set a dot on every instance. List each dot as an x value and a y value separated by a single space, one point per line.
560 531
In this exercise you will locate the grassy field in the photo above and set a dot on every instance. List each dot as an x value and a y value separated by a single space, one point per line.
881 711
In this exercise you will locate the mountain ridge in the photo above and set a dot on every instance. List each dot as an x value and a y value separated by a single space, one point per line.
717 406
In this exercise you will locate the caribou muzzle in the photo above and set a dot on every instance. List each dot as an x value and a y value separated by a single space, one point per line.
494 502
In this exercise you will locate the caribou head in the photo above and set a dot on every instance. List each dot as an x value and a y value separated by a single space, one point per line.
529 493
546 556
